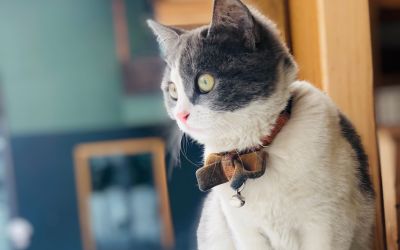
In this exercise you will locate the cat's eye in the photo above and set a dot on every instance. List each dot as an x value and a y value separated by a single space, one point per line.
206 83
173 93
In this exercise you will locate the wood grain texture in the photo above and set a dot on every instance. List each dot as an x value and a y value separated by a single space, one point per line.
306 47
337 58
388 148
84 152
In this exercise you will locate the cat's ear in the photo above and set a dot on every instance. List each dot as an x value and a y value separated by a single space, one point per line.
234 14
167 37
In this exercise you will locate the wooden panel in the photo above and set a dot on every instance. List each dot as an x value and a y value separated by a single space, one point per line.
338 59
304 35
388 148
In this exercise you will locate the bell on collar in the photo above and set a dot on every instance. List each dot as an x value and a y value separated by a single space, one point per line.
237 200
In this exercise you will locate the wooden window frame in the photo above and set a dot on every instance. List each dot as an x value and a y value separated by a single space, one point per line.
154 146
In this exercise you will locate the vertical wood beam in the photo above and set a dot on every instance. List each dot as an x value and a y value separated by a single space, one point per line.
332 44
388 149
304 27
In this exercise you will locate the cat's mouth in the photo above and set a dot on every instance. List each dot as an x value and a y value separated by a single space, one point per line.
190 128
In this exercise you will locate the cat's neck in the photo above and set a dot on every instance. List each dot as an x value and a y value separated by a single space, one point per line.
250 134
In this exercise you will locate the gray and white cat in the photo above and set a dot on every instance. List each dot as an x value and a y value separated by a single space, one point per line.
225 85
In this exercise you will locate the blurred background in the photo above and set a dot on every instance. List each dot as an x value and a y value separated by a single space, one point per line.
385 27
76 73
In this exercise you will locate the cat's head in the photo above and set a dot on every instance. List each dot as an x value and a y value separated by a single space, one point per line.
224 81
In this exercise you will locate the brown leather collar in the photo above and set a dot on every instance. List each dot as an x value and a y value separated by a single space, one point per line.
237 167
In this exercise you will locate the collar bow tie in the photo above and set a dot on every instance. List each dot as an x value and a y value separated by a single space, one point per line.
231 167
236 167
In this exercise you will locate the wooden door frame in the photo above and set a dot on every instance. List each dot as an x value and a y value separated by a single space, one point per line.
331 41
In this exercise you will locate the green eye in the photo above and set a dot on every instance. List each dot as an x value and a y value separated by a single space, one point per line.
206 83
172 91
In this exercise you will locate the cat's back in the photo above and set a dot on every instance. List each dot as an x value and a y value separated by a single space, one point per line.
323 159
320 136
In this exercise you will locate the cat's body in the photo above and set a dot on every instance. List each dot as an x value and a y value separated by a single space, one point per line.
226 84
307 198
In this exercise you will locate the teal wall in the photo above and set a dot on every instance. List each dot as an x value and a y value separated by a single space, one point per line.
142 41
59 71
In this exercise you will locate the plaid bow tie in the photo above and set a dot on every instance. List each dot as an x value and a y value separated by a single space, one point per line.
233 167
237 167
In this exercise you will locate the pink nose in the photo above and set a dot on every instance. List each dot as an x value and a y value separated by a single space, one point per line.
183 116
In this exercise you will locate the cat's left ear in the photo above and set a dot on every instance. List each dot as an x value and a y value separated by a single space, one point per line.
167 37
234 14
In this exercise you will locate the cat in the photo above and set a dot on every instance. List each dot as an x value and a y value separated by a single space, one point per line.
226 84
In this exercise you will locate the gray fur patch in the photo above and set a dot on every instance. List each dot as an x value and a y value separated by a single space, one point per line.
354 139
243 74
244 70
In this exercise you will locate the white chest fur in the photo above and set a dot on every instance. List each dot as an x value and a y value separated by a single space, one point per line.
308 196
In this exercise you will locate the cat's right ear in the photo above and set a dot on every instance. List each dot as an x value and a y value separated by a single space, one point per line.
235 15
167 37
